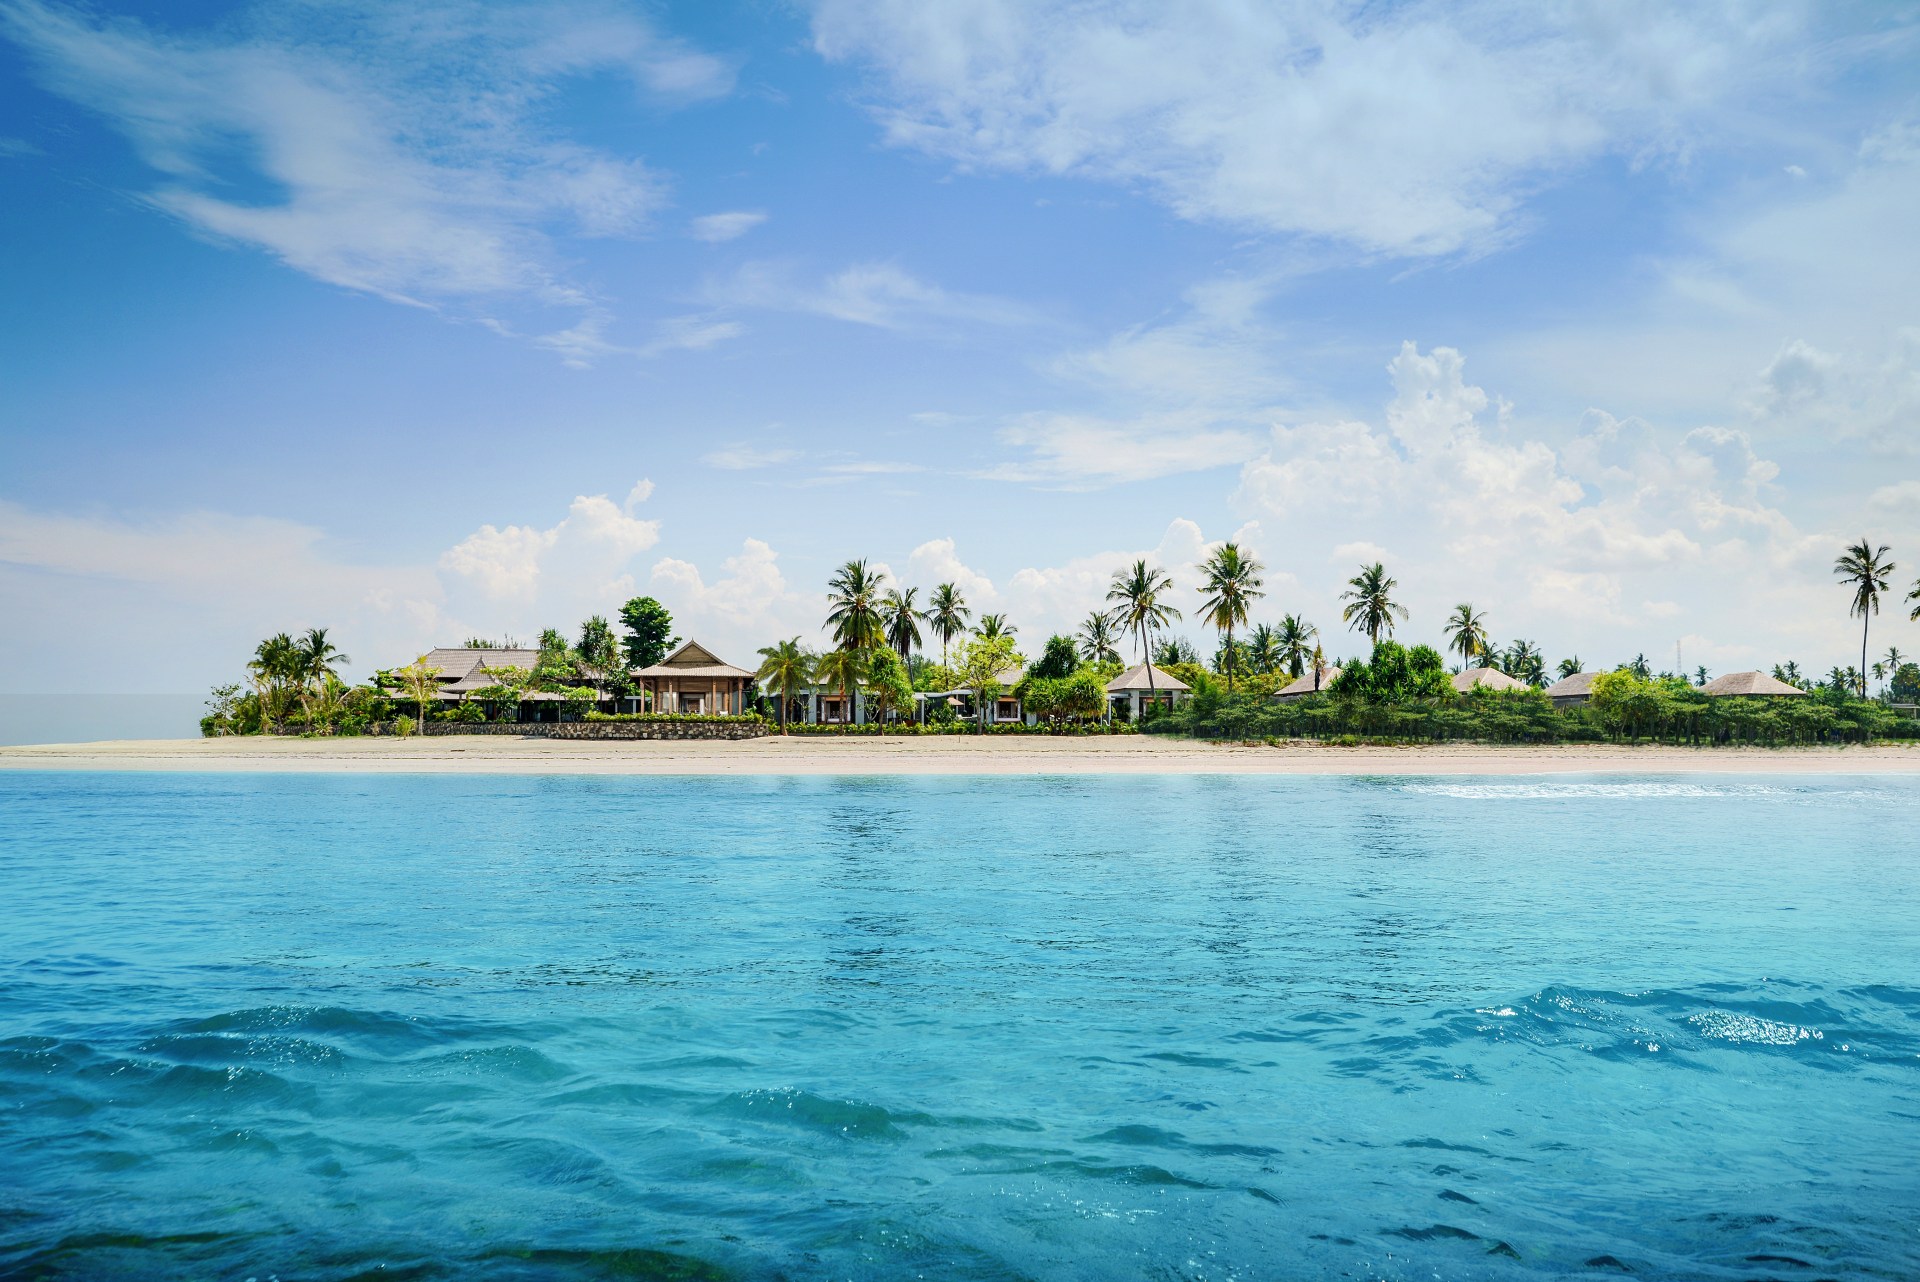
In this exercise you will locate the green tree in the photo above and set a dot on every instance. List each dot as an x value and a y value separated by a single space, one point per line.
1569 666
889 693
1175 652
1296 642
1867 571
599 654
1230 582
901 621
1523 662
1467 633
649 632
1905 686
1058 660
421 681
982 661
785 670
273 670
854 594
842 670
1138 608
315 661
1370 605
1082 696
947 615
1097 638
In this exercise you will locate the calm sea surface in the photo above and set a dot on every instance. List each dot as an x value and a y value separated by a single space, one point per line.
1089 1028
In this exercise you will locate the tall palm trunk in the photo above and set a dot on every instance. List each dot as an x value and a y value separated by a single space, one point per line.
1863 654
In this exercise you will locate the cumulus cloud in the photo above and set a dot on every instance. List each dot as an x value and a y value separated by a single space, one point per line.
589 547
400 153
1546 537
1412 130
748 606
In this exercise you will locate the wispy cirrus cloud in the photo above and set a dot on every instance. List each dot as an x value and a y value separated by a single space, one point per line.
714 228
399 152
882 295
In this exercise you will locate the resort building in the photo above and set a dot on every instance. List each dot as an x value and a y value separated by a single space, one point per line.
1130 688
1572 691
1485 679
1312 681
1007 710
693 681
464 669
1750 683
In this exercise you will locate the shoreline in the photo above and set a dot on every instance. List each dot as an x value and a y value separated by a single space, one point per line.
774 755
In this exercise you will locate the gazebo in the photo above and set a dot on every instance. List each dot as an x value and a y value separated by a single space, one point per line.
1571 691
693 681
1132 687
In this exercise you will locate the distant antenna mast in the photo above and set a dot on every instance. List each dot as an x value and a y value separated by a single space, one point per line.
1678 665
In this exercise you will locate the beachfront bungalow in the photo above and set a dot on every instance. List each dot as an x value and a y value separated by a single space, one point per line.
461 670
1485 679
1130 690
1572 691
1007 710
693 681
1312 681
1750 683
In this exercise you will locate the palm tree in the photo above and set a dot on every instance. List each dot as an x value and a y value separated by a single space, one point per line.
1700 675
1232 582
1523 662
1788 672
315 660
276 663
854 594
1641 668
843 670
1137 607
994 625
1097 637
947 615
1866 570
901 620
785 669
1569 665
1370 605
1467 633
1296 642
1263 649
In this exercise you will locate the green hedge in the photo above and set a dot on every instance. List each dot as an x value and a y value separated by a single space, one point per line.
678 718
912 729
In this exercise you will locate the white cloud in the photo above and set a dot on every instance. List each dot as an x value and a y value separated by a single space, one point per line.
743 457
585 551
1079 451
1415 129
881 295
749 606
714 228
400 153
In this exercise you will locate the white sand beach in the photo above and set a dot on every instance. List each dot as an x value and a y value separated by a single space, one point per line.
929 756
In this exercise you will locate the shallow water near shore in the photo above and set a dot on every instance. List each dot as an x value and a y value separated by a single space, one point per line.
946 1027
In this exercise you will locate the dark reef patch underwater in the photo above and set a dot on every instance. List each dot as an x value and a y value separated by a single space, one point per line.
1090 1028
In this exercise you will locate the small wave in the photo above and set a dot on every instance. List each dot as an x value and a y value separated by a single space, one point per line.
849 1118
1729 1026
1623 789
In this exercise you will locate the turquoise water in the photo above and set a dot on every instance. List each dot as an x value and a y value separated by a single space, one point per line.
1090 1028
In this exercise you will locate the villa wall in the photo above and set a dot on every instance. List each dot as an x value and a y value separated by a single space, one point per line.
607 729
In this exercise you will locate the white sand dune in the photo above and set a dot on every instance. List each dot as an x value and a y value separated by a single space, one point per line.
928 756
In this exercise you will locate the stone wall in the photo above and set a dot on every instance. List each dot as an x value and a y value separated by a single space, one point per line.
607 729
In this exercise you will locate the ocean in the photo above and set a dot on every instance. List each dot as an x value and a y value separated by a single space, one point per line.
1099 1027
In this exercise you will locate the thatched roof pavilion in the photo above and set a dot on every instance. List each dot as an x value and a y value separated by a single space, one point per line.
1312 681
1750 683
1571 690
1486 679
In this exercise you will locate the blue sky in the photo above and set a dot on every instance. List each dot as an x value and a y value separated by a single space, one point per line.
475 318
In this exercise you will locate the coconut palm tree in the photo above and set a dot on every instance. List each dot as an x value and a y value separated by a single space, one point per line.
1467 633
315 661
947 615
1097 638
1569 666
276 665
1701 675
994 625
1370 605
1296 641
901 620
854 594
1263 649
843 670
1865 569
785 669
1523 662
1138 609
1232 582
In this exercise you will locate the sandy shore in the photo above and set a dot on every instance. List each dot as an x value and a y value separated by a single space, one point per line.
876 756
